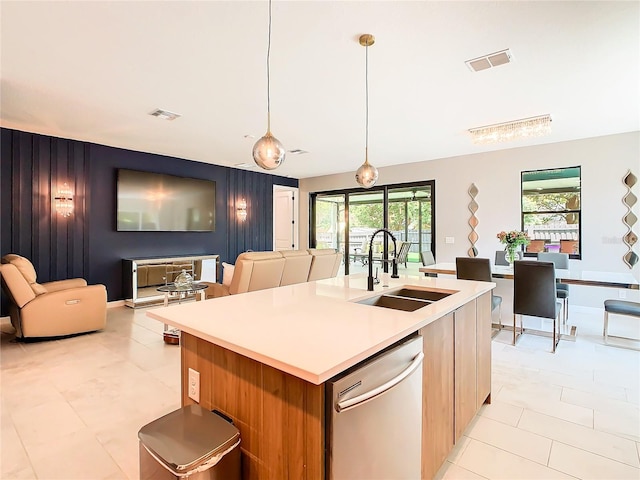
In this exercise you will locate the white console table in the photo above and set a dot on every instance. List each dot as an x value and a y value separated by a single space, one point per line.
142 276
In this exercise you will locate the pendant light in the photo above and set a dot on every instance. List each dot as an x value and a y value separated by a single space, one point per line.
268 152
367 174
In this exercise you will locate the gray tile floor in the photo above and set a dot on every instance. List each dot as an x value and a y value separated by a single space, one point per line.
71 409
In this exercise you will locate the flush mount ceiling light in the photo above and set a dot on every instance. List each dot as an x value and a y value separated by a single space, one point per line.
164 114
268 152
514 130
367 174
488 61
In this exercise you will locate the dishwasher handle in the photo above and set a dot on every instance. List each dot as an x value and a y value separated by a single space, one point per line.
371 394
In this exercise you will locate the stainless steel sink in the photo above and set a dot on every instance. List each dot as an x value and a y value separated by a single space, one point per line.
428 295
395 303
405 299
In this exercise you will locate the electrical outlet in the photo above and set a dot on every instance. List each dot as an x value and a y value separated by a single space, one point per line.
449 239
622 294
194 385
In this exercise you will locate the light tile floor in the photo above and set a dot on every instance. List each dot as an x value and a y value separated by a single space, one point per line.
71 409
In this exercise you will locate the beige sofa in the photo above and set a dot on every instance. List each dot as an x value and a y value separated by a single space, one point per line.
261 270
52 309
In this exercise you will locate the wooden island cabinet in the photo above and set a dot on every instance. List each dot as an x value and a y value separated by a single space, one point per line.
278 404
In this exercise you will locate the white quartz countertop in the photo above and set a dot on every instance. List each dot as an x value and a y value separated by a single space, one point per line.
314 330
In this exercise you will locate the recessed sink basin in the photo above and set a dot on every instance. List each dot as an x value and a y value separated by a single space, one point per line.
428 295
406 299
395 303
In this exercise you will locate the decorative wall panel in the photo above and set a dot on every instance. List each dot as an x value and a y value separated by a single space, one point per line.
629 219
473 220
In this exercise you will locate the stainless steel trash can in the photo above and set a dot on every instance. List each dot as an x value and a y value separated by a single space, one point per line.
190 442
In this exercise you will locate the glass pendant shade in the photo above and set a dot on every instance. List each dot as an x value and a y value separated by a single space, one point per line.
367 175
268 152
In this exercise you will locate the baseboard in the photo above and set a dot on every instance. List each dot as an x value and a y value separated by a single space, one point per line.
115 303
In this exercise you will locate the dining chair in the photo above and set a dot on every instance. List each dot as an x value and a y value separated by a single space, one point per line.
479 269
535 246
568 246
403 253
500 260
426 257
534 294
560 260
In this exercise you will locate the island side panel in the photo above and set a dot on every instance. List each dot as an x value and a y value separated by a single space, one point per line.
483 323
465 377
280 417
437 387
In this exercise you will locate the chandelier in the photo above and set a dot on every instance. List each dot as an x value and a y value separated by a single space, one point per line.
514 130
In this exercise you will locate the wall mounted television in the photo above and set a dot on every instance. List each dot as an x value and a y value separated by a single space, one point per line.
157 202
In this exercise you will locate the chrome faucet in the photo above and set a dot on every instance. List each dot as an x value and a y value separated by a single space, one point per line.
394 273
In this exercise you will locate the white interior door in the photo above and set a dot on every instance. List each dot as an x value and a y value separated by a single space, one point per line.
285 218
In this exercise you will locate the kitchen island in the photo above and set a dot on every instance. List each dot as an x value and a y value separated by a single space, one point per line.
264 357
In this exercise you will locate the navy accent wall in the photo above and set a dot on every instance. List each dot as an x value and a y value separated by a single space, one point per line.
87 243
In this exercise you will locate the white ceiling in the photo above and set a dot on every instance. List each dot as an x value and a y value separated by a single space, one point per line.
93 70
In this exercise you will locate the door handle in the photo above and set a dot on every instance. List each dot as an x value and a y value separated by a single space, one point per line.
375 392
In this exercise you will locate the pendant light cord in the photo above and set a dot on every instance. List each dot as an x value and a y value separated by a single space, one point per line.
269 75
366 87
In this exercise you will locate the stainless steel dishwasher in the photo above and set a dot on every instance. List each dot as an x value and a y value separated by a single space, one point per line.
375 416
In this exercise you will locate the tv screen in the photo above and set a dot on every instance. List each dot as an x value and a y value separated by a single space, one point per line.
164 203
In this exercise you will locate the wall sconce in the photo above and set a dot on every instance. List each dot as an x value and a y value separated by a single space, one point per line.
64 201
242 210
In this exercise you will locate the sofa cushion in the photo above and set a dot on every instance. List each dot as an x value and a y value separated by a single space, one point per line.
296 266
25 267
325 263
227 273
256 271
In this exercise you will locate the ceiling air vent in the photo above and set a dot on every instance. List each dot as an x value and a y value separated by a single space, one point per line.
164 114
488 61
245 166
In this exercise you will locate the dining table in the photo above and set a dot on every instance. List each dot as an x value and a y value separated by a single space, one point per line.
575 277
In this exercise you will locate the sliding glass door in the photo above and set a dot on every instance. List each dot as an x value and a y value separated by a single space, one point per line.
346 219
410 217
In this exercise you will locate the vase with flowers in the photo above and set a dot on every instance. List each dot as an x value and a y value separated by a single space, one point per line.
512 241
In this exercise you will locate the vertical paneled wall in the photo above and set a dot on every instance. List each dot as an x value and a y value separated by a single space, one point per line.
33 168
87 244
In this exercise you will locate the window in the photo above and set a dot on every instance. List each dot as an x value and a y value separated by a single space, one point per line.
551 213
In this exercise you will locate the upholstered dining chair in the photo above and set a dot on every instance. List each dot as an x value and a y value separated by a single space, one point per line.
426 257
479 269
560 260
500 260
53 309
569 246
534 294
535 246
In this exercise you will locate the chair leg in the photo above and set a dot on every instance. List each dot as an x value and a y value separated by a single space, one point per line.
555 343
605 330
516 335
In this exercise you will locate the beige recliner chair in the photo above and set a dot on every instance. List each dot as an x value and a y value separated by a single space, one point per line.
50 309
